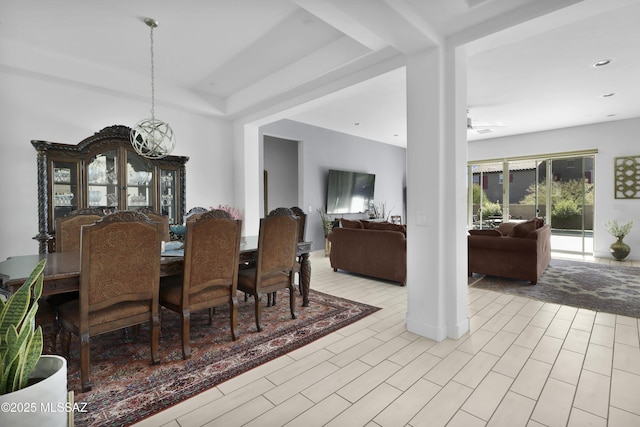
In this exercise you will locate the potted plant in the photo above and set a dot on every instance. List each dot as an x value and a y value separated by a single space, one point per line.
327 226
33 387
619 249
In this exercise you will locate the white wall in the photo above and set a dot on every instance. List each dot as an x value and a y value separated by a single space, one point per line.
59 111
281 163
612 139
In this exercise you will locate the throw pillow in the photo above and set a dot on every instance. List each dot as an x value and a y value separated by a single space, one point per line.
524 228
387 226
348 223
506 227
486 232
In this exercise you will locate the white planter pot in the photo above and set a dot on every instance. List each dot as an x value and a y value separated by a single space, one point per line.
43 403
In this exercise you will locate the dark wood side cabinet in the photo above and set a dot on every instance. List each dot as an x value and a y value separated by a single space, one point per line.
104 172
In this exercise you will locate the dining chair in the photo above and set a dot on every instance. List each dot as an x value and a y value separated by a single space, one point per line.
194 213
163 220
302 218
119 283
68 240
68 228
276 263
210 275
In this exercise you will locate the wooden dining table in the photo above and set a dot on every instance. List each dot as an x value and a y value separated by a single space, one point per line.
62 272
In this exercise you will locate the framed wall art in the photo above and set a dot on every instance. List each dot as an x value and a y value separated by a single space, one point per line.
627 177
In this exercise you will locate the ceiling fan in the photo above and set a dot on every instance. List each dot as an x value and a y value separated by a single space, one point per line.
481 129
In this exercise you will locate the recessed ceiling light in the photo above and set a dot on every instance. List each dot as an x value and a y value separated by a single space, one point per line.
356 124
607 95
611 115
602 63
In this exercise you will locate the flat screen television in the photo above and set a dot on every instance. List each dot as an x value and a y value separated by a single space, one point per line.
349 192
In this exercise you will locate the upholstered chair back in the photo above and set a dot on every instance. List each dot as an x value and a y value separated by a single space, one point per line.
68 228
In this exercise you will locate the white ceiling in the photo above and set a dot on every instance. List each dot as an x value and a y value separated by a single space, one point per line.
335 63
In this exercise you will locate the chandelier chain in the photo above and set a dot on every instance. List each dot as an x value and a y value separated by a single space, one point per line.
153 89
152 138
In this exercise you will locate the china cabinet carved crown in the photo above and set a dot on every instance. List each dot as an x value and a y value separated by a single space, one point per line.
104 172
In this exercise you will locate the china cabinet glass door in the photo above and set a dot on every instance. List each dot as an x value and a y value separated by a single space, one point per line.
64 191
139 182
168 194
102 179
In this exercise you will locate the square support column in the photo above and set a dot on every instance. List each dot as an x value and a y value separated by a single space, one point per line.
436 193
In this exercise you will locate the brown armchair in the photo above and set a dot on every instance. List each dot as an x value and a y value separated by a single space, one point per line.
119 282
276 262
211 258
514 250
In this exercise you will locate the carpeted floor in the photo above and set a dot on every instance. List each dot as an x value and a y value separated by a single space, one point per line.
605 288
127 388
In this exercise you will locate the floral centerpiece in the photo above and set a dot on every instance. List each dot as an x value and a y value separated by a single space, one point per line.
619 249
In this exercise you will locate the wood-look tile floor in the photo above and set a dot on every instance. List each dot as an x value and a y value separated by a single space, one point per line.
523 363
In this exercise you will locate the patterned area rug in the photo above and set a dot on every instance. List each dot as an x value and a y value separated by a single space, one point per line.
606 288
127 388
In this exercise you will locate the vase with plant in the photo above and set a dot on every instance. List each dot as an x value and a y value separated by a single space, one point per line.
327 227
619 250
29 380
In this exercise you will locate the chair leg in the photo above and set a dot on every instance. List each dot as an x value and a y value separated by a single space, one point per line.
155 339
212 312
271 299
233 307
65 342
292 301
258 309
186 323
85 371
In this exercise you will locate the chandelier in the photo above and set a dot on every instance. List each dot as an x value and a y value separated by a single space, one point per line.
152 138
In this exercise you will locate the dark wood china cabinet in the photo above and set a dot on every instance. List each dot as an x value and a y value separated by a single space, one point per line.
104 172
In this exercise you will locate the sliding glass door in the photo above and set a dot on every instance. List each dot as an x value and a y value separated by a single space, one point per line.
516 190
572 196
487 183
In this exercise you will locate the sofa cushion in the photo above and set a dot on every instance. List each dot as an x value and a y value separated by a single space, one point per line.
506 227
348 223
524 228
486 232
387 226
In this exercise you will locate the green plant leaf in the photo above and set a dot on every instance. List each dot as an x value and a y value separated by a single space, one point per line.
32 353
20 343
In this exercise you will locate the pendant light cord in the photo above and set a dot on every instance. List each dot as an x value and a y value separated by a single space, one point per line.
153 91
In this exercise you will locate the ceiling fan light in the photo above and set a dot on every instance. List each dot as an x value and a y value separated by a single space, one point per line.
602 63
